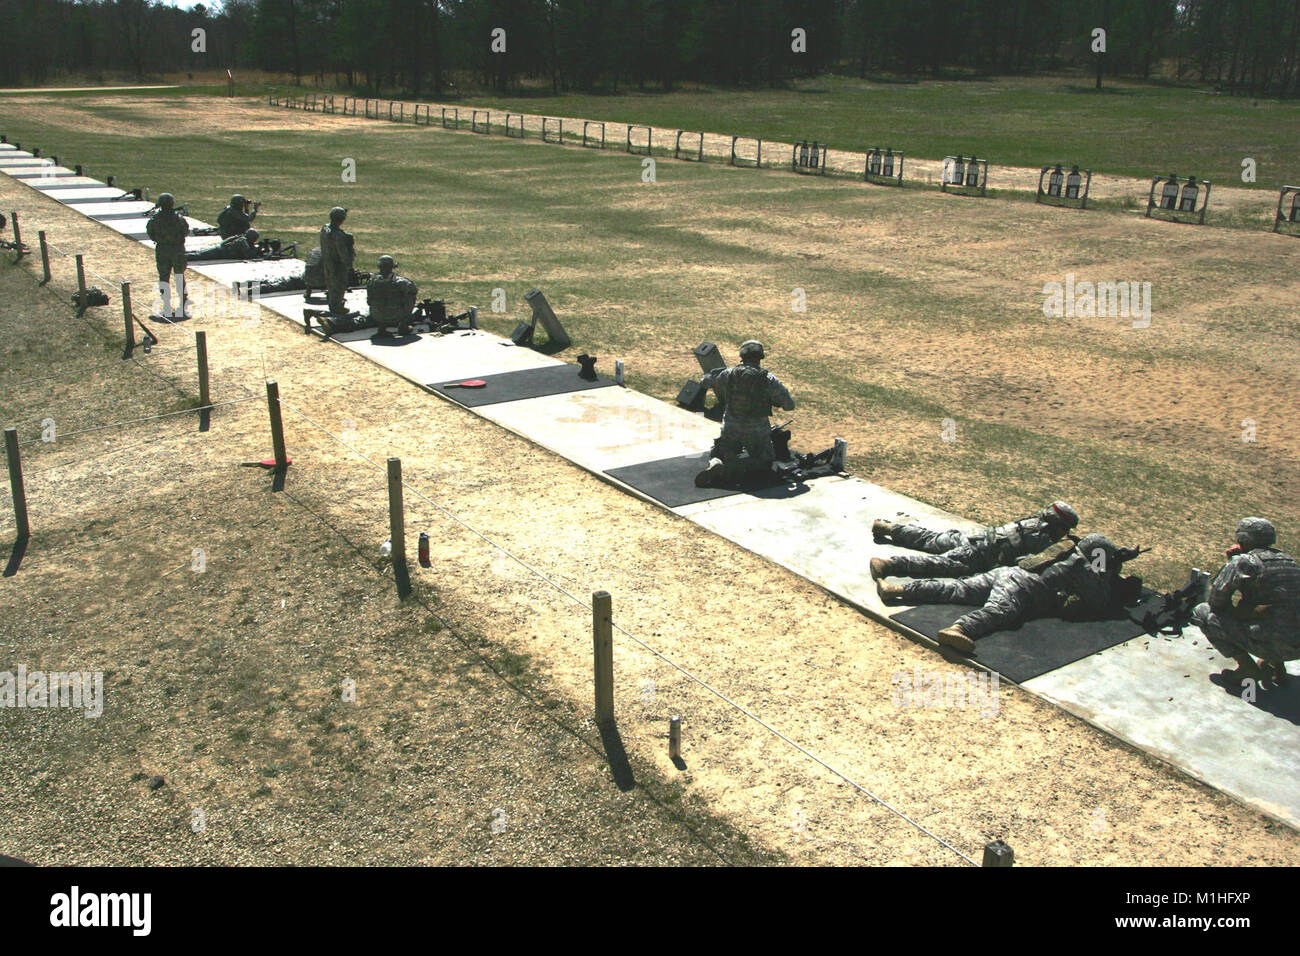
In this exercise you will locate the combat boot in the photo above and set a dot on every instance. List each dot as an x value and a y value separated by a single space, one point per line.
954 637
326 326
709 476
881 530
1247 667
1277 671
889 592
881 568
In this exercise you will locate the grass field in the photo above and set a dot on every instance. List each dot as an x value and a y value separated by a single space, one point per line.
921 308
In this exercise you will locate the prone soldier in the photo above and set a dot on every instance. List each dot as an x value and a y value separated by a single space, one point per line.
168 229
749 392
1084 582
391 298
237 218
1265 622
242 247
337 255
954 553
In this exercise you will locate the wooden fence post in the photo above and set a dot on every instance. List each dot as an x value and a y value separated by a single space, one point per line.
81 284
45 257
16 483
127 319
18 235
396 516
277 424
201 349
602 635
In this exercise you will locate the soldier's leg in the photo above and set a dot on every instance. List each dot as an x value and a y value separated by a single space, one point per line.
956 563
970 590
1224 634
758 442
164 264
178 272
1011 598
917 538
335 290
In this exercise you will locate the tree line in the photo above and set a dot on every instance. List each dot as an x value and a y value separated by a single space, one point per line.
438 47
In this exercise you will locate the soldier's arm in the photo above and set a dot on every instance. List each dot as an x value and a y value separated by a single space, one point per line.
1049 555
1229 579
778 394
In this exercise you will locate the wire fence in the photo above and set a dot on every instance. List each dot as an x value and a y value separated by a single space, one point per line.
657 654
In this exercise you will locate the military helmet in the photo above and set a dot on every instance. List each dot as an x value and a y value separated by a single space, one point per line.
237 200
1255 533
251 235
166 201
1089 545
386 261
338 214
1060 513
751 349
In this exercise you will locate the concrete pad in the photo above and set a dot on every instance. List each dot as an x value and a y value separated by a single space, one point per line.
1169 697
451 358
606 427
54 174
137 207
136 227
69 196
228 273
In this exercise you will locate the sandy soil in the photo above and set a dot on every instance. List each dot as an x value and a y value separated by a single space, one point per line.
1057 790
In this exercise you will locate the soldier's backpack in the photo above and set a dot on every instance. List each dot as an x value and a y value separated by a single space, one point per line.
314 274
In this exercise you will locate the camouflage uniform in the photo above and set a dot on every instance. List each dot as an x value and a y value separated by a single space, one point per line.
392 300
749 392
952 553
337 255
1006 596
1264 576
168 229
233 221
234 248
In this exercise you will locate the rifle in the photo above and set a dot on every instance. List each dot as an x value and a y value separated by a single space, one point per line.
1176 607
1123 555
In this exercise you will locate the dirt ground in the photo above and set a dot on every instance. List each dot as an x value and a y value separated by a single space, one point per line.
216 659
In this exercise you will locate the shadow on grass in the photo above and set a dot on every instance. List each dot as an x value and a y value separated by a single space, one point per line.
624 779
16 556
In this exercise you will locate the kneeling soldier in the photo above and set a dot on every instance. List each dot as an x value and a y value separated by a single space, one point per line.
391 298
1265 622
749 392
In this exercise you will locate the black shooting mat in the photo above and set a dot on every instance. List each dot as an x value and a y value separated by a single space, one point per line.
526 383
671 481
1038 646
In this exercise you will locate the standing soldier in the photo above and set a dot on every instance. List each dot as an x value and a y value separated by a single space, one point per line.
168 230
337 255
954 553
236 219
391 298
749 392
1265 622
